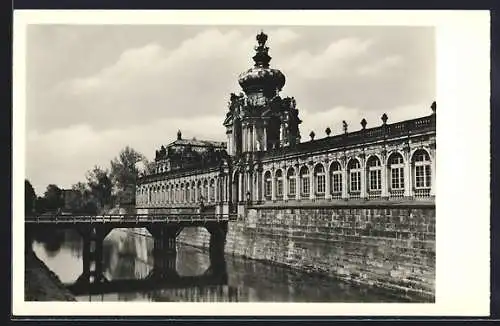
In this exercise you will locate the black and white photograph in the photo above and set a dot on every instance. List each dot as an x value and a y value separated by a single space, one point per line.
233 163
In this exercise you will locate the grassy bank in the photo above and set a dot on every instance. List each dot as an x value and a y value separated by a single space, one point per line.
40 283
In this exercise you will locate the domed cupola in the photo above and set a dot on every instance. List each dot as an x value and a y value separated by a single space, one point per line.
260 78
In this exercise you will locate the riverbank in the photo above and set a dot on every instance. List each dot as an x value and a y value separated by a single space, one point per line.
40 283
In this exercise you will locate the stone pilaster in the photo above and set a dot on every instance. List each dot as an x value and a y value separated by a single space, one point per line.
312 188
240 186
407 172
328 181
298 181
273 184
363 193
385 180
433 168
285 183
345 178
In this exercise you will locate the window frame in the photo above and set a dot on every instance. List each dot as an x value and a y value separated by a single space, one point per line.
354 169
424 165
336 178
319 179
305 182
279 183
291 177
268 187
374 167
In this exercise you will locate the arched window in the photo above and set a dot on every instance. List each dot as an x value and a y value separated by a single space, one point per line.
319 176
177 197
336 179
292 182
354 169
304 181
267 184
374 174
182 199
212 190
279 183
199 191
205 190
422 164
396 168
192 197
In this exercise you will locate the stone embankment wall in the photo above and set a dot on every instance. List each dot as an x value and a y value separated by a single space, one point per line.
385 247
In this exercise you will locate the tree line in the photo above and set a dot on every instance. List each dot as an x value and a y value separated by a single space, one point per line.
102 189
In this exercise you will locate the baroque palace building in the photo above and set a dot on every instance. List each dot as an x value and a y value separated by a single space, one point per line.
264 162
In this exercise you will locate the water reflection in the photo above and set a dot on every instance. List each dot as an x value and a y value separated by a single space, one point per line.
129 265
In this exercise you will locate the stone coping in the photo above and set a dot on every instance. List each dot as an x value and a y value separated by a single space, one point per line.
352 203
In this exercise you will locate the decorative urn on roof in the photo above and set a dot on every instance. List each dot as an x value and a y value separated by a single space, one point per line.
261 78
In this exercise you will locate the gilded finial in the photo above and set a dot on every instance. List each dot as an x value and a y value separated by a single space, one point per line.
261 58
261 38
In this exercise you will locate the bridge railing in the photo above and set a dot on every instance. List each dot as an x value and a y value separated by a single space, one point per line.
130 218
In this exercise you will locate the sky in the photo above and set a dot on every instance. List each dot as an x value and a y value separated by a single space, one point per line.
92 90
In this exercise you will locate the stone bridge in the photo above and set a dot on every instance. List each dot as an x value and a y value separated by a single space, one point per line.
164 229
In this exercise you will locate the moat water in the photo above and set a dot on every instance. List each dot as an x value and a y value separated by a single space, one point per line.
129 256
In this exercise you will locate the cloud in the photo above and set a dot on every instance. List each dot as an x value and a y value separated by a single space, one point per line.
62 156
331 61
139 85
148 83
283 36
378 67
153 81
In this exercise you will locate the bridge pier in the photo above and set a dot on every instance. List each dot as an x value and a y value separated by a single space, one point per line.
218 232
164 249
93 244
